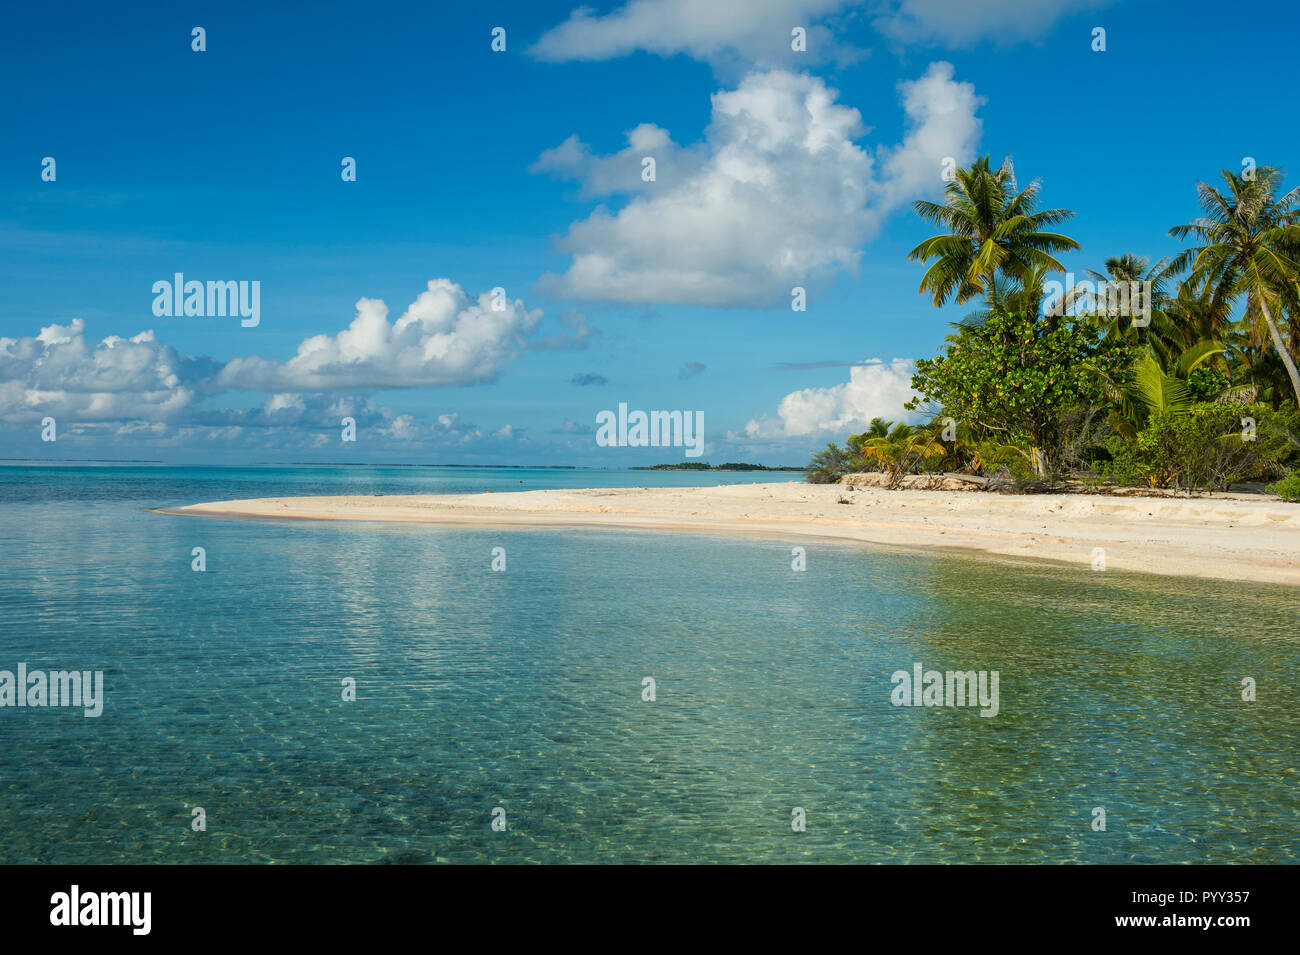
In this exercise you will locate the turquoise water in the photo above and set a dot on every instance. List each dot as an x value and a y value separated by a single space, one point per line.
523 690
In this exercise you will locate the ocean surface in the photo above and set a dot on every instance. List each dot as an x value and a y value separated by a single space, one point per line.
517 695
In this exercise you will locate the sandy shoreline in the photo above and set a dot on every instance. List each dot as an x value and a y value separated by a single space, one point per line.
1229 539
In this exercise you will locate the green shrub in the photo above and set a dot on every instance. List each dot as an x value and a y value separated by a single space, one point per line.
994 458
1123 468
1206 384
827 466
1278 433
1016 374
1206 448
1288 488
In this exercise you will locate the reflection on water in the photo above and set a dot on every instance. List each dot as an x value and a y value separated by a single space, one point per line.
522 689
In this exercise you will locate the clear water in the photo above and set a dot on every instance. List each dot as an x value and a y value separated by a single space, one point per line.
523 690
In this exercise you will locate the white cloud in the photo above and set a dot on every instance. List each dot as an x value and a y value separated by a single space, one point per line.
942 124
443 338
620 172
736 38
755 34
874 389
59 373
952 24
140 390
779 194
402 428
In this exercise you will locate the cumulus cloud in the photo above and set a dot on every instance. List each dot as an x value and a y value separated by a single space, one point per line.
620 172
443 338
874 389
142 389
943 22
781 195
725 35
60 373
942 124
319 415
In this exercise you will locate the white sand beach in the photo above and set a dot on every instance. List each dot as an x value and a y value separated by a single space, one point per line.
1230 538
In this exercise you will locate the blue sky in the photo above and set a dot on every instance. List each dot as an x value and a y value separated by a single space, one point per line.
225 165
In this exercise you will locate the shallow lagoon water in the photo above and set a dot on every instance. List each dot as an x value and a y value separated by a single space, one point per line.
523 689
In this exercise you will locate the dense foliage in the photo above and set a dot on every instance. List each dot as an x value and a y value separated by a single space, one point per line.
1288 488
1013 377
1191 384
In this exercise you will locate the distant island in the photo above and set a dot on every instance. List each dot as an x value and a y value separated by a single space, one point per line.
706 466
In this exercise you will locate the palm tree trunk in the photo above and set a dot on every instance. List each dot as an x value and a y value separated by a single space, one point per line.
1282 350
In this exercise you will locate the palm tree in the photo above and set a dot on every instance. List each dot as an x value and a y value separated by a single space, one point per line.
1005 295
993 230
1249 244
1154 384
1193 314
881 445
1176 323
901 449
1133 268
1126 271
878 428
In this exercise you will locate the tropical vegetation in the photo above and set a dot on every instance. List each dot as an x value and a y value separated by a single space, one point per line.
1186 379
